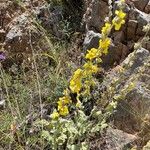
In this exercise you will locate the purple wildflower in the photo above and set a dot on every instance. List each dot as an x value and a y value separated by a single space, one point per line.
2 56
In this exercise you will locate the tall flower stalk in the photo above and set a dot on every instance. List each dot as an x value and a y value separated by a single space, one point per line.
82 78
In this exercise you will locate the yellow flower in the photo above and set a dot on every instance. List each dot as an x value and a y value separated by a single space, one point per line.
66 92
117 22
90 68
106 29
60 104
92 54
75 86
64 111
104 44
120 14
75 83
54 115
65 99
77 74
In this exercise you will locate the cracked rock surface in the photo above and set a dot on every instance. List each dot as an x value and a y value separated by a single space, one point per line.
123 41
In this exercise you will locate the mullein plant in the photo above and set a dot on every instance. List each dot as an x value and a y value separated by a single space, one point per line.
74 132
82 78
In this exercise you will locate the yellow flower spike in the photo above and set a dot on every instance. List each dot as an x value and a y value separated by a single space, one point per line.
75 83
94 69
104 45
75 86
118 24
119 20
106 29
66 92
64 111
77 75
55 114
93 53
98 60
87 85
60 104
120 14
90 68
65 99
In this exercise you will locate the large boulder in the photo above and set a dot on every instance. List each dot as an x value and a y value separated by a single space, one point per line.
133 106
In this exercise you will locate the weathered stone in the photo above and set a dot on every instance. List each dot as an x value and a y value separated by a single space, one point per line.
147 8
137 19
113 139
95 15
118 140
140 4
136 103
131 29
91 40
143 19
20 35
148 46
118 36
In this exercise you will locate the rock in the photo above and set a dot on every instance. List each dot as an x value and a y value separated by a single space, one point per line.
118 36
147 8
148 46
117 53
118 140
113 139
136 20
95 15
91 40
21 35
131 29
140 4
135 104
17 27
142 19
